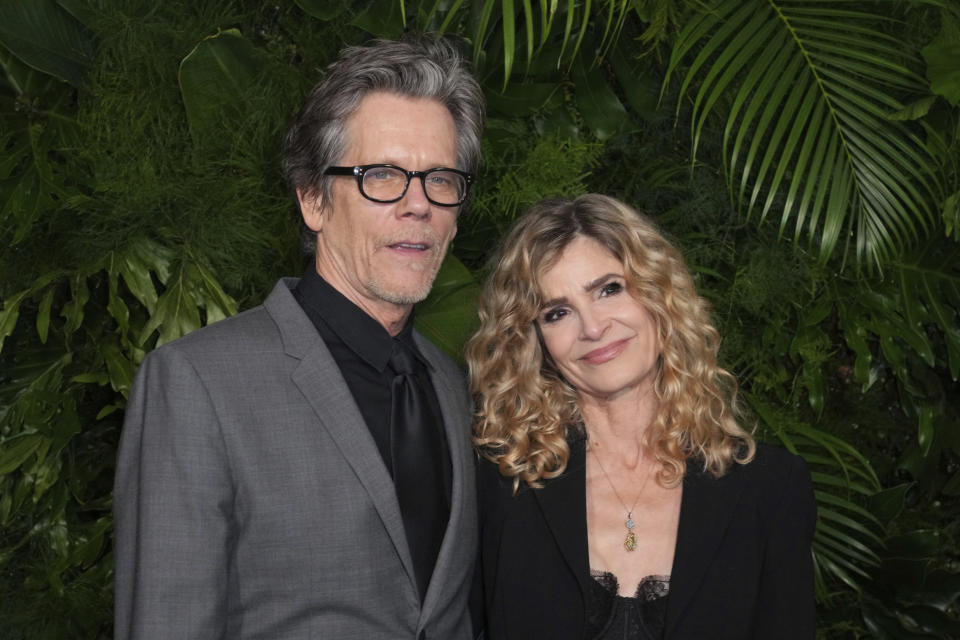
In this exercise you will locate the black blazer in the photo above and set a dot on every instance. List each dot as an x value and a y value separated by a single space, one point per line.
742 567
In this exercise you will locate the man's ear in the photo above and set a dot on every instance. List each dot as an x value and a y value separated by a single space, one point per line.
311 208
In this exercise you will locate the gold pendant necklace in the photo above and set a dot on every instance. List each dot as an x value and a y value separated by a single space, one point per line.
630 542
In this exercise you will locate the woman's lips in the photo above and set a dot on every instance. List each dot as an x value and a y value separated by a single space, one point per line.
605 353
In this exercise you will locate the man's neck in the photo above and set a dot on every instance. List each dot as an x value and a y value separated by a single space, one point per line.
391 316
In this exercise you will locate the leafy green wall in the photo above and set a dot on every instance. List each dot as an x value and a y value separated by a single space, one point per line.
803 154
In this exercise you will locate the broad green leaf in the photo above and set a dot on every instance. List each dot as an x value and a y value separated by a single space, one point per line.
43 314
925 431
557 122
599 105
25 203
15 451
322 9
44 475
107 410
136 264
915 110
22 79
214 80
66 425
210 295
943 60
73 309
9 315
43 35
640 89
381 18
930 279
933 620
919 544
118 310
97 377
449 315
176 313
520 99
888 504
119 368
951 215
952 487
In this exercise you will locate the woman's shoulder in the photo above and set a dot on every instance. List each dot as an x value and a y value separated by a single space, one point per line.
774 460
779 477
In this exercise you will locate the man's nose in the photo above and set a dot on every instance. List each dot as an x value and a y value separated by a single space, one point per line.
414 201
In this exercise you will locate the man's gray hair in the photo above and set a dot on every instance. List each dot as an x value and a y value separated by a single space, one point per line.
417 68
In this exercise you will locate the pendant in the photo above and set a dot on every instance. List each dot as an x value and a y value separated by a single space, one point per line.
630 542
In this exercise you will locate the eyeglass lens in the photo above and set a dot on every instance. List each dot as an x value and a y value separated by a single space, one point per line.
387 183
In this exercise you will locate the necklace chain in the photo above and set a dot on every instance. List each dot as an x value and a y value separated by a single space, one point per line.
630 542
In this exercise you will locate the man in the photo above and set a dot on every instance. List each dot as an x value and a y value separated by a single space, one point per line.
303 469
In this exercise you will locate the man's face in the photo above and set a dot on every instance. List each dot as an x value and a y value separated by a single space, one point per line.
384 257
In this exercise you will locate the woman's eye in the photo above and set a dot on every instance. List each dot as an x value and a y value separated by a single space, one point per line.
611 289
553 315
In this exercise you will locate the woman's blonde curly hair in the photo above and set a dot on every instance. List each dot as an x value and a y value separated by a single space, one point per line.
525 407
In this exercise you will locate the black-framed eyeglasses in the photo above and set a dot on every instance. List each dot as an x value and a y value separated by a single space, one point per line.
388 183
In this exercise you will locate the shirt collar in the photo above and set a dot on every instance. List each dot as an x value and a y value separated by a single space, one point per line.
358 331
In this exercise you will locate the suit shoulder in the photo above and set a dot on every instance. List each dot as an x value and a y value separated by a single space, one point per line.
237 333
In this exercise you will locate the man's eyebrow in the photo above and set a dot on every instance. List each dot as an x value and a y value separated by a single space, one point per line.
590 286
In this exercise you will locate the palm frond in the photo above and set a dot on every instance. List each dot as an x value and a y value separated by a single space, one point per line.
521 29
806 90
847 536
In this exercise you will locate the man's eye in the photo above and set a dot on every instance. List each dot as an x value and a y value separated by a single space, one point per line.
379 174
611 289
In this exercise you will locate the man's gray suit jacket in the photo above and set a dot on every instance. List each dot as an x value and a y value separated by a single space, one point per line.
252 503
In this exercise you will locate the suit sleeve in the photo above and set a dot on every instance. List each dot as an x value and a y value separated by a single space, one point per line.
173 502
786 605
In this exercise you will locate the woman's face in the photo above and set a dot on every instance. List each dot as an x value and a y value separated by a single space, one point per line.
600 337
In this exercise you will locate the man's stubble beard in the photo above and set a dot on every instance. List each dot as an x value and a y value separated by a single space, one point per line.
403 298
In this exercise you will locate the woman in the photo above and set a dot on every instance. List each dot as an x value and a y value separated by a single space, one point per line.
619 496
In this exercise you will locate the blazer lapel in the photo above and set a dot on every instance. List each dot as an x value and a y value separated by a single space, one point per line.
319 380
458 549
705 512
563 502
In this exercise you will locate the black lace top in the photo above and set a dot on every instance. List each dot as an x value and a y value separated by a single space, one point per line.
614 617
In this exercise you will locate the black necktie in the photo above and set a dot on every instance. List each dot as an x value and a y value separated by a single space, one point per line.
415 444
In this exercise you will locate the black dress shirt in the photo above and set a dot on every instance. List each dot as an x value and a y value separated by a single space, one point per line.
361 347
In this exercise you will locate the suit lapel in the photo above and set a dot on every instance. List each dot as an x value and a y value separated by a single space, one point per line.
460 539
319 380
706 509
563 502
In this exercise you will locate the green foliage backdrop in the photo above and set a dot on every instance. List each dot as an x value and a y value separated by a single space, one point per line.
803 154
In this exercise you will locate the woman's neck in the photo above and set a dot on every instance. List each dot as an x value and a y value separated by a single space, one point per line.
617 427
